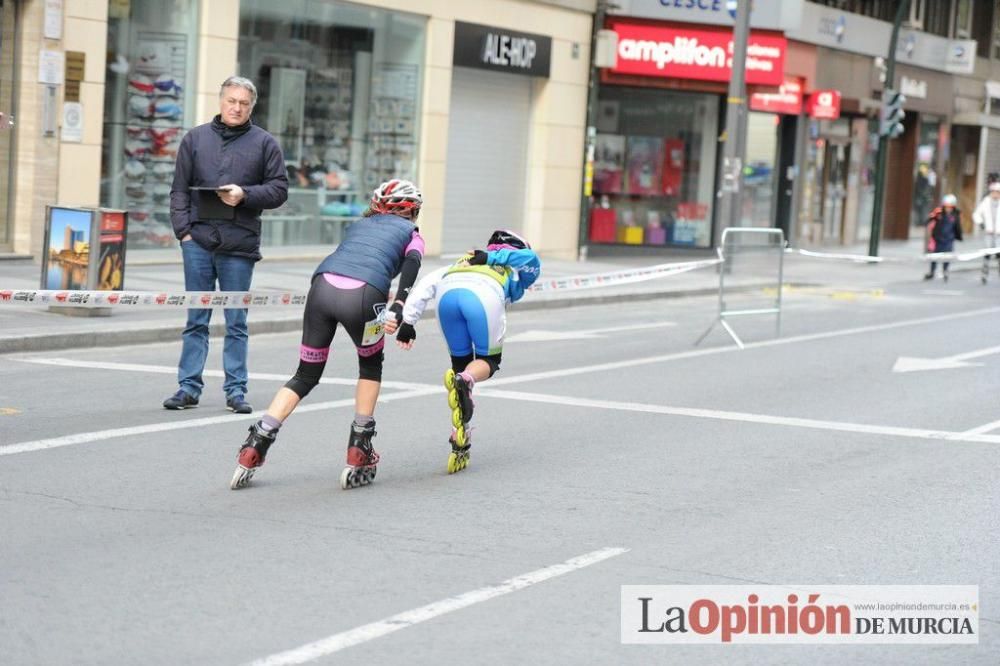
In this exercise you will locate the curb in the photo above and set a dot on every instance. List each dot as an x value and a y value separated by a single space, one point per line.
285 259
172 332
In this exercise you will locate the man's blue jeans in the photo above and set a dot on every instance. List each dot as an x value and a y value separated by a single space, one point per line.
201 271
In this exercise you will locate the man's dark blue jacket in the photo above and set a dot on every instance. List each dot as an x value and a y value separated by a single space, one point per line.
211 155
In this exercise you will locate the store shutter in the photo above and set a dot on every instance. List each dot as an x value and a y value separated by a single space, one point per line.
487 156
992 152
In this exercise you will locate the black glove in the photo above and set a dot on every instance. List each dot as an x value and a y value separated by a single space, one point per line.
406 332
396 312
478 258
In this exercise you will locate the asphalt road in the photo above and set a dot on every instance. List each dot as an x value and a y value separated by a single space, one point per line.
800 460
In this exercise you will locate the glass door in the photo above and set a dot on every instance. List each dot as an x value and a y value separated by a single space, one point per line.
8 10
835 188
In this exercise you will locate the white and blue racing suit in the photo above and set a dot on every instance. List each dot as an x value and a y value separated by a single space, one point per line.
472 301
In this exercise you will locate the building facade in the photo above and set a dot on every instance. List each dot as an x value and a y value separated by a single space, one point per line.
484 104
812 132
660 116
481 102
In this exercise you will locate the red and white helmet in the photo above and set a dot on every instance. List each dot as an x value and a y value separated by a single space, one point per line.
397 197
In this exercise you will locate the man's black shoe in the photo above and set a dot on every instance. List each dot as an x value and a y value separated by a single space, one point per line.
238 405
180 400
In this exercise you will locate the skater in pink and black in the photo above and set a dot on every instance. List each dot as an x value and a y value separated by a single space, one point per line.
350 289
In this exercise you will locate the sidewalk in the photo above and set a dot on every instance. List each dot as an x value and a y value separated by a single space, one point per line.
289 269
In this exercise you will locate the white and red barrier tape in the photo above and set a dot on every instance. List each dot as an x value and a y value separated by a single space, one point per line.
255 299
613 278
932 256
139 299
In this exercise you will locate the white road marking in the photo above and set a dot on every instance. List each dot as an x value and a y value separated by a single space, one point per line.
943 292
694 353
368 632
983 429
101 435
911 364
427 389
586 334
745 417
172 370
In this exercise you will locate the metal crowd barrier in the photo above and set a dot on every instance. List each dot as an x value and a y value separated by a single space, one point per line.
731 251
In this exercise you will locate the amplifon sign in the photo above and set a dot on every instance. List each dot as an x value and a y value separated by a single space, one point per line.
696 53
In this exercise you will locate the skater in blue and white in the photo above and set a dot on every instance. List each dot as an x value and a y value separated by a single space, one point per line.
472 297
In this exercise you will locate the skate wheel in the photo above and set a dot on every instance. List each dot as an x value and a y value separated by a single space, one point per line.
449 380
241 478
456 418
345 478
457 461
460 434
453 399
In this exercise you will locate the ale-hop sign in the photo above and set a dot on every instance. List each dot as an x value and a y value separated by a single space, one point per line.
703 53
498 49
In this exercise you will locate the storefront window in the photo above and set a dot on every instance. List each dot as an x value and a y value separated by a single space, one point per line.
654 168
147 109
758 174
925 177
826 180
340 88
996 34
867 180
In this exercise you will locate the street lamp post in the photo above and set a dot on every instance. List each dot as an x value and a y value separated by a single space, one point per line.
883 139
734 149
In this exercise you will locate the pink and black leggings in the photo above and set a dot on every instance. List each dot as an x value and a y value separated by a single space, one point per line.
355 305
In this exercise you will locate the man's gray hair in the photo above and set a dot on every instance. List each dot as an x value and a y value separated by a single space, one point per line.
240 82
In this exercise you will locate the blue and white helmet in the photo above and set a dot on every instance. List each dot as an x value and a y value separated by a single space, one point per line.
505 237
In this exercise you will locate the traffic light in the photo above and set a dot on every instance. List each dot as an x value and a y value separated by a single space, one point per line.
892 114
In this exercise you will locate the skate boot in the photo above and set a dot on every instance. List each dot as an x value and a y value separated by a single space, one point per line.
252 455
458 459
361 457
460 401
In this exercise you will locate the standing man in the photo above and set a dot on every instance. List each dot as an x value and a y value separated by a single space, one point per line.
232 161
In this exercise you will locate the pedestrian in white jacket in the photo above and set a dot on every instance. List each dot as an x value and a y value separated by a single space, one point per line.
987 218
